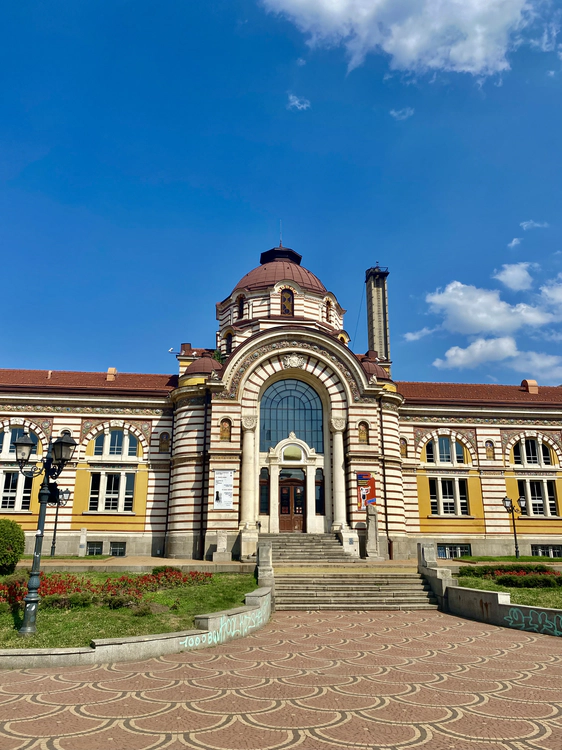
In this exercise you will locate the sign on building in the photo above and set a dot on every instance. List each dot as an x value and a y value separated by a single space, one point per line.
365 490
224 486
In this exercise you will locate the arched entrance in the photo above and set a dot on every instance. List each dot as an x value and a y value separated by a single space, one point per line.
292 500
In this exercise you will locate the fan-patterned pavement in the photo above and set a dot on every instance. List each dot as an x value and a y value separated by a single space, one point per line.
308 680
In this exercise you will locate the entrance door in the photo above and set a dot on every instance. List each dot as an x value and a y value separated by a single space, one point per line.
292 506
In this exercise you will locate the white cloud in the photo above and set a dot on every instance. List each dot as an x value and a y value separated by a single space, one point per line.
470 310
297 102
417 335
402 114
530 224
301 61
546 368
468 36
480 351
551 292
551 73
515 276
514 242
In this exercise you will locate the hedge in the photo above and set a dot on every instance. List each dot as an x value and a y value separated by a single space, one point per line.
485 571
12 543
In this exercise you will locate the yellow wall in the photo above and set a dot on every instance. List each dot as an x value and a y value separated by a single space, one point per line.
452 524
539 525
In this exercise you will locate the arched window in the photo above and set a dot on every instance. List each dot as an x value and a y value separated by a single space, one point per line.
240 306
226 430
363 433
116 443
443 453
164 442
490 453
228 343
7 447
291 406
403 448
531 452
15 489
287 302
328 311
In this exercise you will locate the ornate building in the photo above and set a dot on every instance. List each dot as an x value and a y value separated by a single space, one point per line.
280 428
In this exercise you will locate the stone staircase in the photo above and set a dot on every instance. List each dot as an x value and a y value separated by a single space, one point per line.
305 548
356 590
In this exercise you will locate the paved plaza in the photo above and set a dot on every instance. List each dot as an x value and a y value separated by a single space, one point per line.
314 681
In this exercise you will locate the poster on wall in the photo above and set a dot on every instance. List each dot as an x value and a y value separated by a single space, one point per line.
365 490
224 485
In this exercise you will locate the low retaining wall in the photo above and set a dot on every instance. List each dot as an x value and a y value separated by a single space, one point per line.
495 607
212 630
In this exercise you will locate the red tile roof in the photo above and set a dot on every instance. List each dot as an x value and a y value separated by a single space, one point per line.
86 382
478 393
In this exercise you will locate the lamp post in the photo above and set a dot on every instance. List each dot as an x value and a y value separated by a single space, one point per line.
512 508
59 498
58 455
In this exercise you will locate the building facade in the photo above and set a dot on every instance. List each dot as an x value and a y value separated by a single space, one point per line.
281 428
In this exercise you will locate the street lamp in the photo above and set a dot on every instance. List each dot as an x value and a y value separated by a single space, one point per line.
512 508
58 454
59 499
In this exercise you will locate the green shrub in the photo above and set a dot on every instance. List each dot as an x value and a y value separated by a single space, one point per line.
80 599
487 571
116 601
54 601
163 569
12 543
532 581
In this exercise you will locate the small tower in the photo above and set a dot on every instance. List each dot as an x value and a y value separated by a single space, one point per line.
377 313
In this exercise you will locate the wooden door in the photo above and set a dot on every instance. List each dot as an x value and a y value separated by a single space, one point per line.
292 506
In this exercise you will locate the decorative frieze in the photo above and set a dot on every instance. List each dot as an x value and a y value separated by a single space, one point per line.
83 409
89 424
481 420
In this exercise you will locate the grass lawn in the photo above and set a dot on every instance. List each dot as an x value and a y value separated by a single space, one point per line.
533 597
510 559
176 608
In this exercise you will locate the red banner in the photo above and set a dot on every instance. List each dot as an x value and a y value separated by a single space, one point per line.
365 490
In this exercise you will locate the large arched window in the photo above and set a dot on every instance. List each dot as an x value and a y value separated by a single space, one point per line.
291 406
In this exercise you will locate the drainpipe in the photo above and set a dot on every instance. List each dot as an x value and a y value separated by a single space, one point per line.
167 522
204 475
383 466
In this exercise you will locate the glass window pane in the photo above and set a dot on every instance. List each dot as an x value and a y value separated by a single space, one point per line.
264 492
459 451
545 454
133 444
1 440
521 489
319 493
10 490
112 492
535 490
444 450
433 496
129 492
26 496
531 452
448 495
98 445
94 491
463 497
430 456
517 453
291 406
116 443
552 504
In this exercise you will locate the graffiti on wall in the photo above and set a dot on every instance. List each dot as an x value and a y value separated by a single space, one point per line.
231 626
534 620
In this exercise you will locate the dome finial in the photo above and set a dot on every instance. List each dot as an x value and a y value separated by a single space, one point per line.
280 233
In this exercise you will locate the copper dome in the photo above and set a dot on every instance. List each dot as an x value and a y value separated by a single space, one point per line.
370 364
205 365
280 264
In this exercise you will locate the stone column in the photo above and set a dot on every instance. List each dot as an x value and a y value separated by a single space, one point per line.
247 494
338 474
273 498
311 498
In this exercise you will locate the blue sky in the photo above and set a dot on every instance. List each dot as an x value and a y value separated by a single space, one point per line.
148 151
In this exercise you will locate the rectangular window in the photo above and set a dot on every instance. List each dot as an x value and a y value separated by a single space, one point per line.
448 495
448 551
94 548
94 492
116 443
117 549
444 450
112 492
433 496
463 497
26 496
546 550
552 504
264 492
10 490
129 493
522 493
98 445
531 452
537 500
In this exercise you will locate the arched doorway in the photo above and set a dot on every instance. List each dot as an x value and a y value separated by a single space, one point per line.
292 500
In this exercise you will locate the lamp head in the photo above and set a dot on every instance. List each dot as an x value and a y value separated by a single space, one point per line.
522 504
507 504
63 448
23 445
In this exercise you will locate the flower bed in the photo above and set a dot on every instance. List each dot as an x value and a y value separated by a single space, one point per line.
518 576
65 590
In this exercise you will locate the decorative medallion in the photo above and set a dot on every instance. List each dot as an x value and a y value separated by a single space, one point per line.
249 423
293 360
338 423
